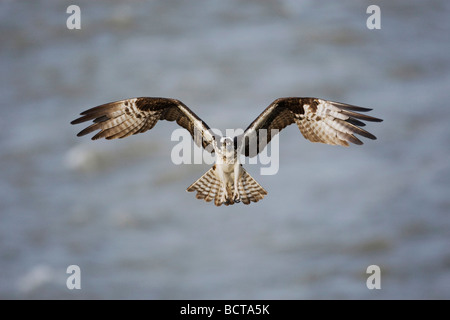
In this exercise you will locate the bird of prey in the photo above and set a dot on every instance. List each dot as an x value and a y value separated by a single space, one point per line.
227 182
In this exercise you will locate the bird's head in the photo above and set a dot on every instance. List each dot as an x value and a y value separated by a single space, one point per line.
227 150
227 144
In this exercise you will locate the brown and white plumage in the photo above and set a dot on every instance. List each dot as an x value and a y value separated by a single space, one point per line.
227 182
208 187
319 120
123 118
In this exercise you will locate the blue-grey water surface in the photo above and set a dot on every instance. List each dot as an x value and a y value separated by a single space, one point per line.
119 210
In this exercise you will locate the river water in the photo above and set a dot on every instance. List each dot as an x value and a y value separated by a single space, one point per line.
118 209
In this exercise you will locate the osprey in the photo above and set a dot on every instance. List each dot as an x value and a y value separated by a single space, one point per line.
227 182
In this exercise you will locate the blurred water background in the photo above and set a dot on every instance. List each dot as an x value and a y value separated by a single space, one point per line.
119 210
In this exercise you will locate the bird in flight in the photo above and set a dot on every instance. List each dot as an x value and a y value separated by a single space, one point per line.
227 182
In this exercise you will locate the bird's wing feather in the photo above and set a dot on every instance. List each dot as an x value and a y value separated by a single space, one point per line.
319 120
123 118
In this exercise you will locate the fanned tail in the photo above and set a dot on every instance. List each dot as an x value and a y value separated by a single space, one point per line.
249 189
209 187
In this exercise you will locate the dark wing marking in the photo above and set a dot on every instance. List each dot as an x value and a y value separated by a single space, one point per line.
123 118
319 120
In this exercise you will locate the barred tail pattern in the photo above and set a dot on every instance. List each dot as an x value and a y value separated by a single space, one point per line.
209 187
249 189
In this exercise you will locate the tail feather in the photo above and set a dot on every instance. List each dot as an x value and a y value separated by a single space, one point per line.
206 186
249 189
212 191
219 199
209 187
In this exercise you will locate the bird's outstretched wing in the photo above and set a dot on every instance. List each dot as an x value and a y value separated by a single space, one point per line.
123 118
319 120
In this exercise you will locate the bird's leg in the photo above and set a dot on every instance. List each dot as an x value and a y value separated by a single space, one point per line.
237 174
